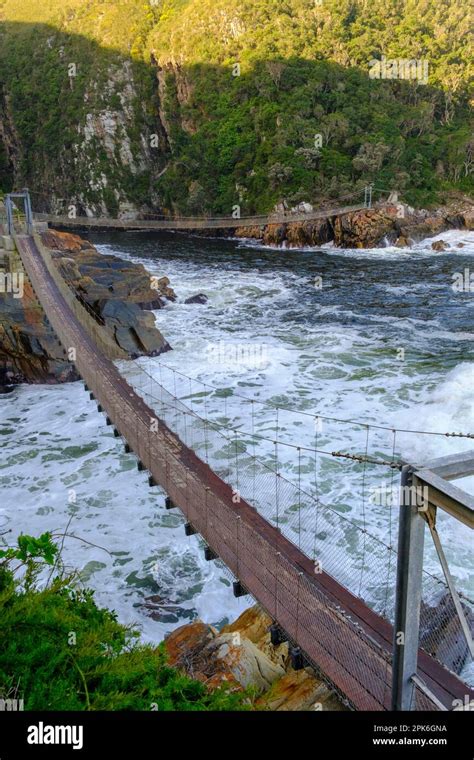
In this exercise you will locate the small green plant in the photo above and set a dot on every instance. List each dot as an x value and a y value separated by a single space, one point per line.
60 651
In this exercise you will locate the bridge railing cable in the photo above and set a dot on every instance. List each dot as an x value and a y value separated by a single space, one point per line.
314 415
288 490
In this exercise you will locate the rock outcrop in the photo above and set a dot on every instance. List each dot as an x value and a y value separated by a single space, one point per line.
198 298
241 656
121 293
365 228
29 349
317 232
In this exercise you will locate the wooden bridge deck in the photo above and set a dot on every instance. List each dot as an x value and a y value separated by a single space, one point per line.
348 643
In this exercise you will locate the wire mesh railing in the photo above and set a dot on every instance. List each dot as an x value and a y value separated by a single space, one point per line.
293 488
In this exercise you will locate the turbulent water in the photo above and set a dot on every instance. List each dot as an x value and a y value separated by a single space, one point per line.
377 336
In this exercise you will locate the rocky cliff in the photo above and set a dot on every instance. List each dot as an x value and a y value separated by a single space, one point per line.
192 107
120 293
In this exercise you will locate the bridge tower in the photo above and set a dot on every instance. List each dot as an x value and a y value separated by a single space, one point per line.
9 206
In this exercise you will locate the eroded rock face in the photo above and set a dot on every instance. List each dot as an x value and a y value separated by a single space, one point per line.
469 220
298 691
29 349
256 233
121 292
274 234
317 232
238 659
242 656
364 229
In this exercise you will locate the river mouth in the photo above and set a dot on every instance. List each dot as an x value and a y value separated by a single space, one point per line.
375 336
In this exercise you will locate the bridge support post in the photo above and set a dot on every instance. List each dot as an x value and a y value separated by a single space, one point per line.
9 210
189 529
239 589
209 555
28 212
277 636
408 595
368 196
296 658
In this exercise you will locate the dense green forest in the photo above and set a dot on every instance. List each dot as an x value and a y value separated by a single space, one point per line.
194 106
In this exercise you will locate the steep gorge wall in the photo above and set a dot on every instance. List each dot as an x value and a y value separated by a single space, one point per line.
119 108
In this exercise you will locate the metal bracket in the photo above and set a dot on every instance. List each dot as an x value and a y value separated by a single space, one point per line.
430 517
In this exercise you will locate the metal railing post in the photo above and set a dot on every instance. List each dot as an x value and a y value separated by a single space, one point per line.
408 595
28 212
9 210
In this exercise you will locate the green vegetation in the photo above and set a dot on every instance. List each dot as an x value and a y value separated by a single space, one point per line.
59 651
166 68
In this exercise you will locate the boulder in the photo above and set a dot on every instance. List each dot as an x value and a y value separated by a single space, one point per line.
403 242
105 277
237 659
63 241
309 233
254 624
218 658
117 289
298 691
439 245
420 226
162 285
185 645
199 298
133 328
241 656
469 220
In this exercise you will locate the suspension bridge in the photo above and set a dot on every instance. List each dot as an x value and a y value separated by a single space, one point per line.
369 625
72 219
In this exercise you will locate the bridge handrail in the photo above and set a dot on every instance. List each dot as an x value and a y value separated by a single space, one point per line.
196 222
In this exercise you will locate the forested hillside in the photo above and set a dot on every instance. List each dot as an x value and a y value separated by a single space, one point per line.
193 106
